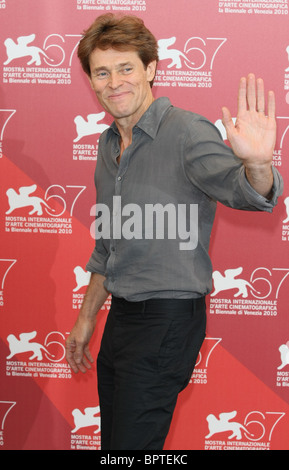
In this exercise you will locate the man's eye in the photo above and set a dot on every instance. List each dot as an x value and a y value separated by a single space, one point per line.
101 75
127 70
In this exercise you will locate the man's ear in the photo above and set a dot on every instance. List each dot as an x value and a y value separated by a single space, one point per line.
151 70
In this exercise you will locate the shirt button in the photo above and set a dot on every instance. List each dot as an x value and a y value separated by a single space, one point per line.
119 178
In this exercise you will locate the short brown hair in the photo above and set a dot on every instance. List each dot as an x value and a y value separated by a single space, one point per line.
122 33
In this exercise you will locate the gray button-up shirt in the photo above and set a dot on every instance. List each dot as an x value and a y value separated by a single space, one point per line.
155 210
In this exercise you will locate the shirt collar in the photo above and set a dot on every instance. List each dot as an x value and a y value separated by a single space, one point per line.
151 119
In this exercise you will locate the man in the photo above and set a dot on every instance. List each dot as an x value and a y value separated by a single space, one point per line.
159 173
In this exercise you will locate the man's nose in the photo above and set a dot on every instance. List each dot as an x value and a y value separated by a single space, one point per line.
115 80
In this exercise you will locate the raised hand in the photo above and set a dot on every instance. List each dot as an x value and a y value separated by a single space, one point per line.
253 136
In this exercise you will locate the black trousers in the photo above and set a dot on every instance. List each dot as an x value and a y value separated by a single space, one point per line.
147 355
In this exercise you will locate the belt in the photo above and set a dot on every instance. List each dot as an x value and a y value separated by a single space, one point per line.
158 305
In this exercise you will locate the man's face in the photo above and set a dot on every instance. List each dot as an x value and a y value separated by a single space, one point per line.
121 83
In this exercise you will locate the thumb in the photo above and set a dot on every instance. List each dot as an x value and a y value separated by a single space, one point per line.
227 120
88 354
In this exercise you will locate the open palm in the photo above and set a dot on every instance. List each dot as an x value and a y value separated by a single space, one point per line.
253 135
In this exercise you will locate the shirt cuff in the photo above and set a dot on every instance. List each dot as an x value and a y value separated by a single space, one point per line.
255 199
96 263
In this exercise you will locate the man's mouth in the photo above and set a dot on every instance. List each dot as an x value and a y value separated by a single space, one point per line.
118 96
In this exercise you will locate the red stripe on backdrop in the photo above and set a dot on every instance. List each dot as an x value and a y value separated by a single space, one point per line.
233 410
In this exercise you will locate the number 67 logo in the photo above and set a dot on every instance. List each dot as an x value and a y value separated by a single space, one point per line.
257 426
260 283
268 280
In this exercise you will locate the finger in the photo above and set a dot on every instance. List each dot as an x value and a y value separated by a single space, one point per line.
73 365
85 364
80 359
260 96
271 104
251 92
86 359
70 350
88 354
242 95
227 120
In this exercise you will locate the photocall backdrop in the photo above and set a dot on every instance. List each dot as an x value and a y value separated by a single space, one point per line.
50 124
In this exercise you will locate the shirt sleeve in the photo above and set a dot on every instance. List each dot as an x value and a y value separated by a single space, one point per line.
213 168
98 259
